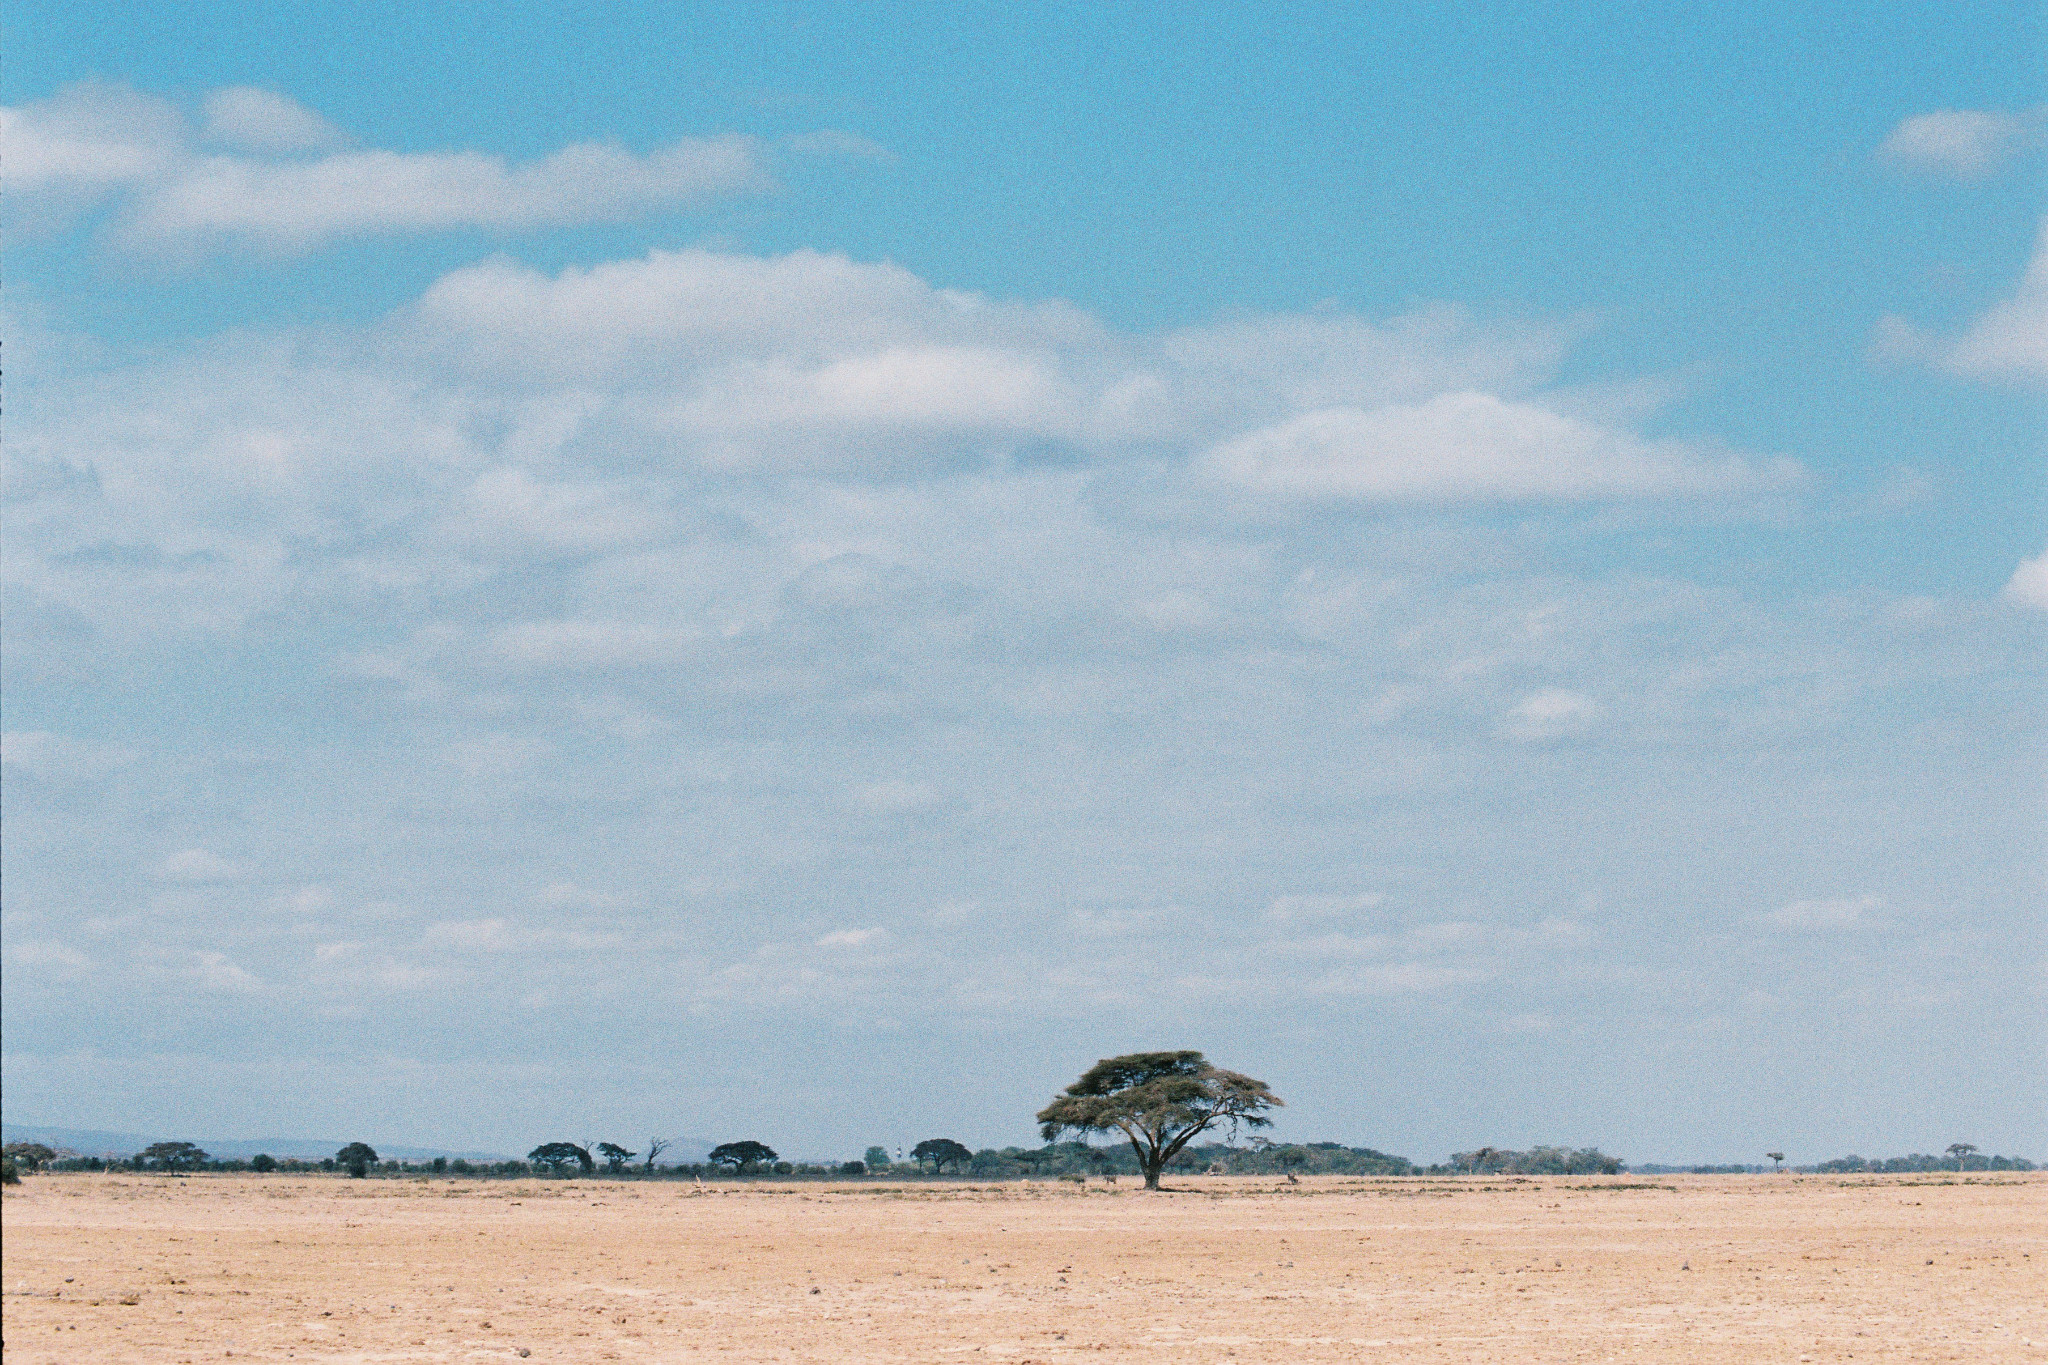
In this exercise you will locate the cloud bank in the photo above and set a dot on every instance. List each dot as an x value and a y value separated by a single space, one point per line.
261 170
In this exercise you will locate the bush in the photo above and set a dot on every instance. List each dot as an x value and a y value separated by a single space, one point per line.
783 1168
8 1175
263 1163
853 1168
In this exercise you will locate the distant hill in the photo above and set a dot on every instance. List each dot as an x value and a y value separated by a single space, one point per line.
104 1142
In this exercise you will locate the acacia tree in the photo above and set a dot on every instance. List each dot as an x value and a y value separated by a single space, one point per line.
556 1156
941 1152
1159 1101
615 1156
655 1147
1777 1160
30 1156
1961 1151
741 1156
358 1157
174 1156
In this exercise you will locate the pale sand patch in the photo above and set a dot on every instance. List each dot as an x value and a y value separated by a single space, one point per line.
1705 1269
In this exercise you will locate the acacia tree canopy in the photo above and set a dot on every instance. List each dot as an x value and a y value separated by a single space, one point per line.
1159 1101
174 1156
556 1155
941 1152
615 1156
741 1155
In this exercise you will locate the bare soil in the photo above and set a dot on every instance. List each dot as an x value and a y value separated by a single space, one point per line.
1698 1269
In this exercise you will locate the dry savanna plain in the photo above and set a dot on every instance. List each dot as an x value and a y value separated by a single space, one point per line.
1236 1269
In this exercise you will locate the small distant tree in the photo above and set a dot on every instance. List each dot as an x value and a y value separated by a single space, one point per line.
877 1158
28 1156
941 1152
263 1163
615 1156
1159 1101
741 1156
1959 1152
357 1158
559 1156
655 1147
1777 1160
853 1168
172 1156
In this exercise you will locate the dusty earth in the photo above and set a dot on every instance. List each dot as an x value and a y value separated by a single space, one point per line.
1715 1268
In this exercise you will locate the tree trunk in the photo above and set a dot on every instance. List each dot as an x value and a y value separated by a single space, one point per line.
1152 1169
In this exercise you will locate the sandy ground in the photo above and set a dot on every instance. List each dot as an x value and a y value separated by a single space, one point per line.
1749 1269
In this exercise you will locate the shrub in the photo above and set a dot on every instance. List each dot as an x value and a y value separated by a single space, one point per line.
853 1168
8 1175
263 1163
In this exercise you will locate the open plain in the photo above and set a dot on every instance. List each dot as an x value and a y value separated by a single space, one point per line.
1737 1269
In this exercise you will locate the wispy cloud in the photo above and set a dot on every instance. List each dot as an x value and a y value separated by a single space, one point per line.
263 170
1964 142
1842 912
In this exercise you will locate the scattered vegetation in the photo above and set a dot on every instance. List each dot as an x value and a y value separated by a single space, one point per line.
1902 1165
1535 1161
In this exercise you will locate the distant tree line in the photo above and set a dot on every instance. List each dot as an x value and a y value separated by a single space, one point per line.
1169 1108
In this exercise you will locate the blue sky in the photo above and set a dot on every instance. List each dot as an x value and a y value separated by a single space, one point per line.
814 570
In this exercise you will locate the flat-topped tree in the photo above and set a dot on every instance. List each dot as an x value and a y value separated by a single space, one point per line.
1159 1101
615 1156
941 1152
559 1156
741 1156
174 1156
1961 1152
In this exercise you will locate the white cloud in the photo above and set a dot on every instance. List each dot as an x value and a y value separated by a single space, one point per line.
198 865
2029 582
2007 342
1550 715
1963 142
253 120
1290 909
1461 447
215 971
59 956
290 186
1846 912
850 938
61 758
2010 339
